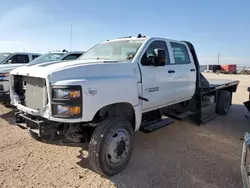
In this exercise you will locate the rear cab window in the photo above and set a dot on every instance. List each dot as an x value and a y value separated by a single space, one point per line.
180 53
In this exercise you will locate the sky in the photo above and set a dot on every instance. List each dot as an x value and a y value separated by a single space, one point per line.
216 26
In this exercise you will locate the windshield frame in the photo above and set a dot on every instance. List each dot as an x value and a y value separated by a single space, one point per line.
119 44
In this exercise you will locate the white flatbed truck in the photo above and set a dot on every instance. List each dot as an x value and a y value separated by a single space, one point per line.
116 88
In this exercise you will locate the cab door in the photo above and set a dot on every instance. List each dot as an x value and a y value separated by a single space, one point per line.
185 71
157 81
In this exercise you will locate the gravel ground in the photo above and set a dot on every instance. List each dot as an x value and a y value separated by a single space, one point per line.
180 155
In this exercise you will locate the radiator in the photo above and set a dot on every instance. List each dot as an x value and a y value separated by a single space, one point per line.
35 93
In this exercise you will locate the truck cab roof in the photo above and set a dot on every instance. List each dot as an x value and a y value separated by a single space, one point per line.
144 38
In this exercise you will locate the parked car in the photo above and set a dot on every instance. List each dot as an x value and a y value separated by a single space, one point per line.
48 57
17 58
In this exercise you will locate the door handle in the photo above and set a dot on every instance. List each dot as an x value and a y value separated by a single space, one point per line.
192 70
171 71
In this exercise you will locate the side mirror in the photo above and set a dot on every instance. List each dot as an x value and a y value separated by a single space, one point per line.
10 61
159 59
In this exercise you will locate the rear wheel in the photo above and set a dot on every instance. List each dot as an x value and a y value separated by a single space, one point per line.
223 102
111 146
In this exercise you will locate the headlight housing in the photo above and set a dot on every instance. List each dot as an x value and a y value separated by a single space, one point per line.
67 101
3 76
66 93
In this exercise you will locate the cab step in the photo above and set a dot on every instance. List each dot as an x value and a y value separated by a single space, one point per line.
180 116
35 131
22 125
155 125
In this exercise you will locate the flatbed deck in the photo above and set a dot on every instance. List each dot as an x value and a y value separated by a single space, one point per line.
215 84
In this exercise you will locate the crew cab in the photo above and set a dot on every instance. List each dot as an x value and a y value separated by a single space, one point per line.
116 88
52 57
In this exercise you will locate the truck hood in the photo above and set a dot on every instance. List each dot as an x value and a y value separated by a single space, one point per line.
77 69
6 68
44 69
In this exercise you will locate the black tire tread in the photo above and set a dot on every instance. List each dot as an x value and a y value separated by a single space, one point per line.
221 102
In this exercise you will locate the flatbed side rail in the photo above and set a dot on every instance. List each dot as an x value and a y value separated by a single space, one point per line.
244 167
219 86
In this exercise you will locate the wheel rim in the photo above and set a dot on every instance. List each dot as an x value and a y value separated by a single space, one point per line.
118 147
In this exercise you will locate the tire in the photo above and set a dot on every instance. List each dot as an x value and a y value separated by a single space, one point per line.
34 136
223 102
101 153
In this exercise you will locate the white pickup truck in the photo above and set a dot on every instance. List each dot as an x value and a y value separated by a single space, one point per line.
17 58
52 57
116 88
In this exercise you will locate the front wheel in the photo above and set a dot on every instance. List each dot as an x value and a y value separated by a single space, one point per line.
111 146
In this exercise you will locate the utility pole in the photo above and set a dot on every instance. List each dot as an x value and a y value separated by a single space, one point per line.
70 37
218 58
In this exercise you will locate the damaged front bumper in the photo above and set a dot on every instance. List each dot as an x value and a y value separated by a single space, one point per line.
36 125
244 167
49 130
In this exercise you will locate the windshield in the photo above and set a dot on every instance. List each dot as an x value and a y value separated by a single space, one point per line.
46 58
4 56
117 50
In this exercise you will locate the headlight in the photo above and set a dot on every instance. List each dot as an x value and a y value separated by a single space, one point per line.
66 111
67 101
66 93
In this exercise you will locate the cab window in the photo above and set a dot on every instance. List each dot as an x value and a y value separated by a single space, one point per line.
20 58
180 53
150 51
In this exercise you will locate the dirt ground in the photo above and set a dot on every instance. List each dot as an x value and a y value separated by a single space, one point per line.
179 155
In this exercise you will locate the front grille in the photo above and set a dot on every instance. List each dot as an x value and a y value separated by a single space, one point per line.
1 86
34 91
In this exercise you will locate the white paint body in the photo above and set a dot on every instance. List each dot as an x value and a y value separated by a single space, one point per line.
114 82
